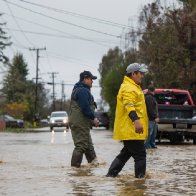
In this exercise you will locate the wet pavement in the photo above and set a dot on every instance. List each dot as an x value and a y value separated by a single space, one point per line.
39 164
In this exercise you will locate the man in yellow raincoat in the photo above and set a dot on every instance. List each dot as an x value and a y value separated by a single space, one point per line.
131 122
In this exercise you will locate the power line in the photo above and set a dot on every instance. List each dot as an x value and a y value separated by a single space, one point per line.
19 43
71 59
60 36
18 24
58 30
10 32
66 84
65 22
60 57
77 15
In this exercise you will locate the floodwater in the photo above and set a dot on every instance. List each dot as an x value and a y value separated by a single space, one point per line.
39 164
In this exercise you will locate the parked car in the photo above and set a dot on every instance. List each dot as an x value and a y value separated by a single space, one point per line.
103 119
44 122
20 123
58 119
12 122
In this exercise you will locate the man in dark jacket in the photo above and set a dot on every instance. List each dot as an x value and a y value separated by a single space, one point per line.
152 110
82 118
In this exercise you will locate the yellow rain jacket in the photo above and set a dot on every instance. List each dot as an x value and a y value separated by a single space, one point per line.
130 98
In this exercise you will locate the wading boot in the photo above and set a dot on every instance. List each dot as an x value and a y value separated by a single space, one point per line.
76 159
90 155
115 168
140 169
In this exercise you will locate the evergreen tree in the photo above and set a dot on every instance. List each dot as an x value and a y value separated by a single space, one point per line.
14 84
4 42
18 89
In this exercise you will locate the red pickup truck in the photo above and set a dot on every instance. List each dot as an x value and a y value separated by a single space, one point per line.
177 114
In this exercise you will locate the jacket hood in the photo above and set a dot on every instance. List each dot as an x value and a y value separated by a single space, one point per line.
81 84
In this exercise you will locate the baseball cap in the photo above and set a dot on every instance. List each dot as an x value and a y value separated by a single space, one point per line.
136 67
87 74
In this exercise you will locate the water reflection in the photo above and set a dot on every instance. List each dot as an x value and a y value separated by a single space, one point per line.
52 140
82 171
80 182
39 164
52 137
133 187
81 188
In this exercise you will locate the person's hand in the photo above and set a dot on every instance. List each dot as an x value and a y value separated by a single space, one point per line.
138 127
157 119
96 122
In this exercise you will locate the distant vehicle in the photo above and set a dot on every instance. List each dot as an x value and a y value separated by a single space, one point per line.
103 119
58 119
12 122
176 108
20 123
44 122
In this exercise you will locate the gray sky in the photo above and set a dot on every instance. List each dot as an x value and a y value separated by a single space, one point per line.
73 33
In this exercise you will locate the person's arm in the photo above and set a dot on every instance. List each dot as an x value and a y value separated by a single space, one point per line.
129 100
83 101
157 113
138 126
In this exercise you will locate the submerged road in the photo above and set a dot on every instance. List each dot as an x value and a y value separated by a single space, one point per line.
39 164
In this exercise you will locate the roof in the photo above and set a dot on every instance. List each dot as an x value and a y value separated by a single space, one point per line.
168 90
171 90
177 91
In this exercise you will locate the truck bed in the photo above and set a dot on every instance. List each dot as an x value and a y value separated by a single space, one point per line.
176 114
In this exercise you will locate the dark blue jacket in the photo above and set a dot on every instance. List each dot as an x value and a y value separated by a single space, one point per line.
82 95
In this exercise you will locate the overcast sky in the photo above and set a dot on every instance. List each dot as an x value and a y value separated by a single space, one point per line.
76 34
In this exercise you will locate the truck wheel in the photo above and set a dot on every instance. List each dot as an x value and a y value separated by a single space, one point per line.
194 140
174 139
174 126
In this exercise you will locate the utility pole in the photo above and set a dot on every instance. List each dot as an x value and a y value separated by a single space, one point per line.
36 82
53 89
62 96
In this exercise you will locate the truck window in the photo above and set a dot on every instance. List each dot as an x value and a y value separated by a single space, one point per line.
58 114
172 98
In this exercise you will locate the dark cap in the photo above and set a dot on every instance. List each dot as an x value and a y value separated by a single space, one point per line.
87 74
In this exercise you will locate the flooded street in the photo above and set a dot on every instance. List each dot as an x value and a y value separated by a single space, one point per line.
39 164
